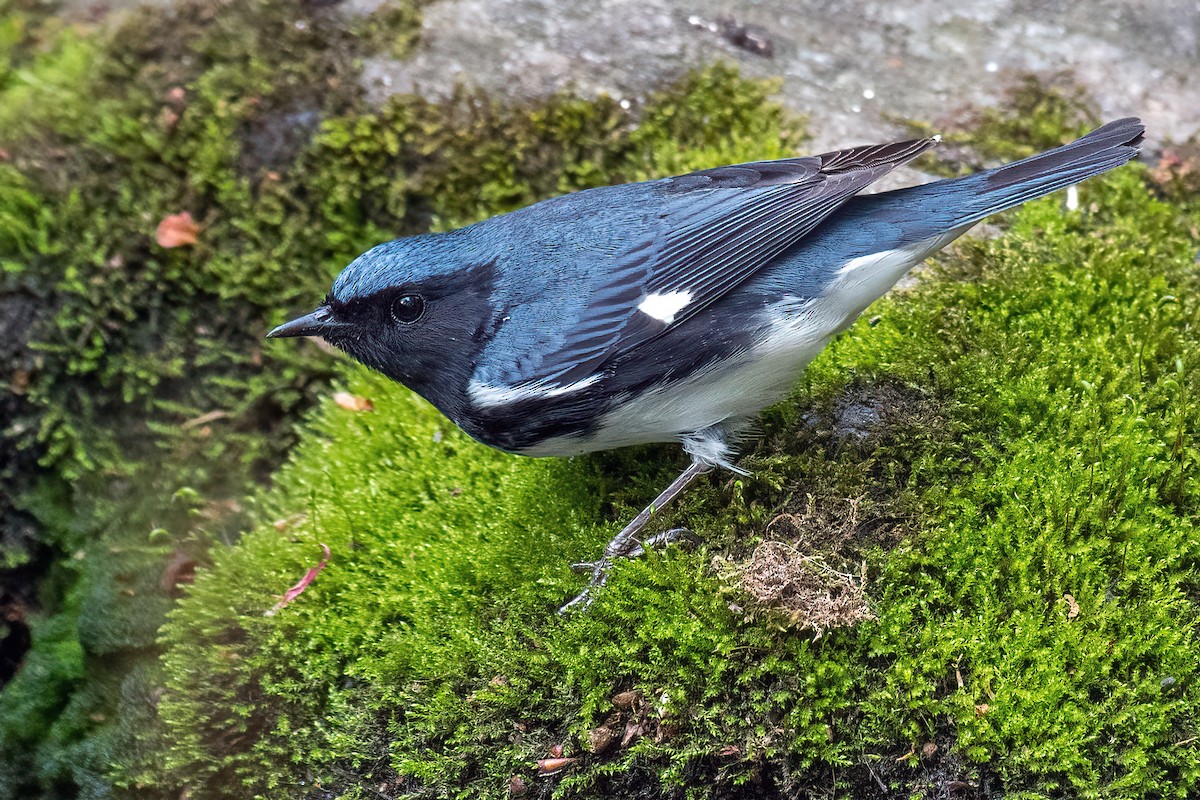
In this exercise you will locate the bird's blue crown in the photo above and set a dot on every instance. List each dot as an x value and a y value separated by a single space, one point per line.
394 263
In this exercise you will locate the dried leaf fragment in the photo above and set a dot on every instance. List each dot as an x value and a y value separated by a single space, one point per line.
177 230
180 569
626 700
634 730
285 524
352 402
298 589
204 419
601 740
549 766
19 382
1072 606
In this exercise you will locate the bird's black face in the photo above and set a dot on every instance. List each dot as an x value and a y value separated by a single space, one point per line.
425 334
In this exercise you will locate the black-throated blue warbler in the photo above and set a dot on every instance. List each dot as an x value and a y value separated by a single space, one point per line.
670 310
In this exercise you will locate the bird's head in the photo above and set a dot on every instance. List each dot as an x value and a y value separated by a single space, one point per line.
419 310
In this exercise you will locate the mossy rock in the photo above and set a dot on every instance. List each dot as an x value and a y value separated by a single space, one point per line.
1026 498
1010 451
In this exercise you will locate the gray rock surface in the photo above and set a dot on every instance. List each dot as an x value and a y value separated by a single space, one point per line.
850 66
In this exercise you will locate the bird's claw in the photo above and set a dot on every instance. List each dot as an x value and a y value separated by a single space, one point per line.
663 539
599 569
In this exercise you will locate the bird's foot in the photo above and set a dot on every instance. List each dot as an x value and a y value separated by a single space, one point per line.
630 548
655 542
626 544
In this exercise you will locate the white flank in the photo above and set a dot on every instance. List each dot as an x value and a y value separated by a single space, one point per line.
483 395
736 389
875 259
664 307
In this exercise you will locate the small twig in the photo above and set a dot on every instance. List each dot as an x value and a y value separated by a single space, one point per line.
204 419
882 785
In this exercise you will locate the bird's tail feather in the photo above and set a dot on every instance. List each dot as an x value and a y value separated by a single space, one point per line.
1004 187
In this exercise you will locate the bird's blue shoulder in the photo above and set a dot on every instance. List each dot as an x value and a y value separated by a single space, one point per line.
550 260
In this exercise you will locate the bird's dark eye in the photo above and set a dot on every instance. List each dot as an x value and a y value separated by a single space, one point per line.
408 308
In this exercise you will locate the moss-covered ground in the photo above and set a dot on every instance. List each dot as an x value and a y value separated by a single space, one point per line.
1005 457
1027 505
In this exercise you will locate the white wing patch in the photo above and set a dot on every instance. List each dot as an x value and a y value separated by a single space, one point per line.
486 396
1072 198
664 306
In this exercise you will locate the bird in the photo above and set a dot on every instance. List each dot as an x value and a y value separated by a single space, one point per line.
670 310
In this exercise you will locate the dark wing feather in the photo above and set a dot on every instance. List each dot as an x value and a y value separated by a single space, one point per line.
716 229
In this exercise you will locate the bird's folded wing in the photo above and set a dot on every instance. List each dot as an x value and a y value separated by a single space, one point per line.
713 230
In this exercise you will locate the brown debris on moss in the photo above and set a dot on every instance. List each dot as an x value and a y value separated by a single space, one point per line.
815 591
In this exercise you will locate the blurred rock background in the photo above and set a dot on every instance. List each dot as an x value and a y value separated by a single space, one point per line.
852 68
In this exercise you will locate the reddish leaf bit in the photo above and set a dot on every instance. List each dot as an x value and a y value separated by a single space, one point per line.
177 230
297 590
180 569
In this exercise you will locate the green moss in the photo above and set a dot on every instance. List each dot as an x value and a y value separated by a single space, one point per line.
1037 114
392 29
34 704
1028 510
142 388
44 65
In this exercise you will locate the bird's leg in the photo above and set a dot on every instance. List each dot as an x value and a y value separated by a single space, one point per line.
625 543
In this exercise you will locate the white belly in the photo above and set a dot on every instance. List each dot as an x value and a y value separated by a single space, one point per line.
734 390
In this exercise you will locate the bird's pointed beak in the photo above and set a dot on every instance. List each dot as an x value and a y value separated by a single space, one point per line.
316 323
